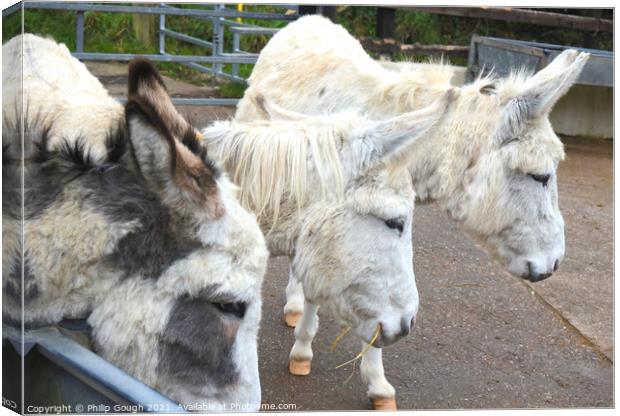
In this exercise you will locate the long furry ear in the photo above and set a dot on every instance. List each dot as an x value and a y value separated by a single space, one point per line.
146 86
541 91
535 96
393 139
162 146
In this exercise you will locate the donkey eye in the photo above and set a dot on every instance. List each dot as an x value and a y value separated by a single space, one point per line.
233 308
396 224
540 178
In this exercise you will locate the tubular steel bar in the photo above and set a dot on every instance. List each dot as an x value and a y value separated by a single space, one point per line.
222 74
227 58
196 101
86 7
185 38
79 32
219 24
237 31
162 35
236 49
93 370
251 30
217 39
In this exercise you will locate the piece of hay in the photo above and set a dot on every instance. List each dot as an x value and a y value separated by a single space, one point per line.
339 338
361 354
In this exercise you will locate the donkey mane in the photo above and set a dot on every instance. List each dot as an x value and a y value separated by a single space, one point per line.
411 80
76 152
273 162
71 153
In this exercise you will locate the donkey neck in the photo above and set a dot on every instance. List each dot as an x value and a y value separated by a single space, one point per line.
439 170
440 160
395 93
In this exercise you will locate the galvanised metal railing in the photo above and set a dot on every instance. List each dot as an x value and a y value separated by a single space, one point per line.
220 17
216 45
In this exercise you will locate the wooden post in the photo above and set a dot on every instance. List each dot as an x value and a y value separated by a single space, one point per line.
307 10
144 26
590 39
327 11
385 22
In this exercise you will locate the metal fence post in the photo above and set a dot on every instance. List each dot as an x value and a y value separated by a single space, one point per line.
162 34
216 39
221 33
236 49
79 32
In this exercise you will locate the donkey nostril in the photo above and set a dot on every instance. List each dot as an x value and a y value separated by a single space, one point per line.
412 322
556 265
530 270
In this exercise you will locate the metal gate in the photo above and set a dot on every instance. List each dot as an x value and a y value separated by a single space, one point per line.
222 18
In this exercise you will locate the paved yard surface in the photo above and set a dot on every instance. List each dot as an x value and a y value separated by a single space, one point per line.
484 339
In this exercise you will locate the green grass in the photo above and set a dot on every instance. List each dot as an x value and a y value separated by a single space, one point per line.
112 32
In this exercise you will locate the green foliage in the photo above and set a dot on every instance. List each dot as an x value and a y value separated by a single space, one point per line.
358 20
417 27
112 33
58 24
427 28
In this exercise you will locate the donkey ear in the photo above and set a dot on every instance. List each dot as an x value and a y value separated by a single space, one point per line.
165 146
547 86
394 138
146 85
271 111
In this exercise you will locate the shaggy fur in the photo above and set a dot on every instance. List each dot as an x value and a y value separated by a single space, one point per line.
129 225
78 95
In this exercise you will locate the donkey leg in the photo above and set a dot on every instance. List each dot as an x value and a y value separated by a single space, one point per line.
294 300
380 391
301 354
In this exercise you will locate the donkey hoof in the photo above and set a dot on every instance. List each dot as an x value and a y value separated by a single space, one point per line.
292 318
384 403
299 367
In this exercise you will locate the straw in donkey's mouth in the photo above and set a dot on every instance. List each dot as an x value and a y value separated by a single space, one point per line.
361 354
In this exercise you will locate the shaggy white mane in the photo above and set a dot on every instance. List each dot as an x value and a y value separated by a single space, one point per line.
413 80
278 162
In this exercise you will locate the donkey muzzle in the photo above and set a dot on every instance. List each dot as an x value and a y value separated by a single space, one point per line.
387 337
534 276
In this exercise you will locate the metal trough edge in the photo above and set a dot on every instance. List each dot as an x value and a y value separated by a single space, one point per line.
93 370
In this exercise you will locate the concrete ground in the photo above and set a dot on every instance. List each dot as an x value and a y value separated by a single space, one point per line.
483 338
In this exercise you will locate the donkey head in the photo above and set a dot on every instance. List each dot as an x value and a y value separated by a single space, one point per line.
353 253
506 189
187 325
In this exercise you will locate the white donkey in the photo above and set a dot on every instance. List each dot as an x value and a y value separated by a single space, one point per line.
332 194
491 164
